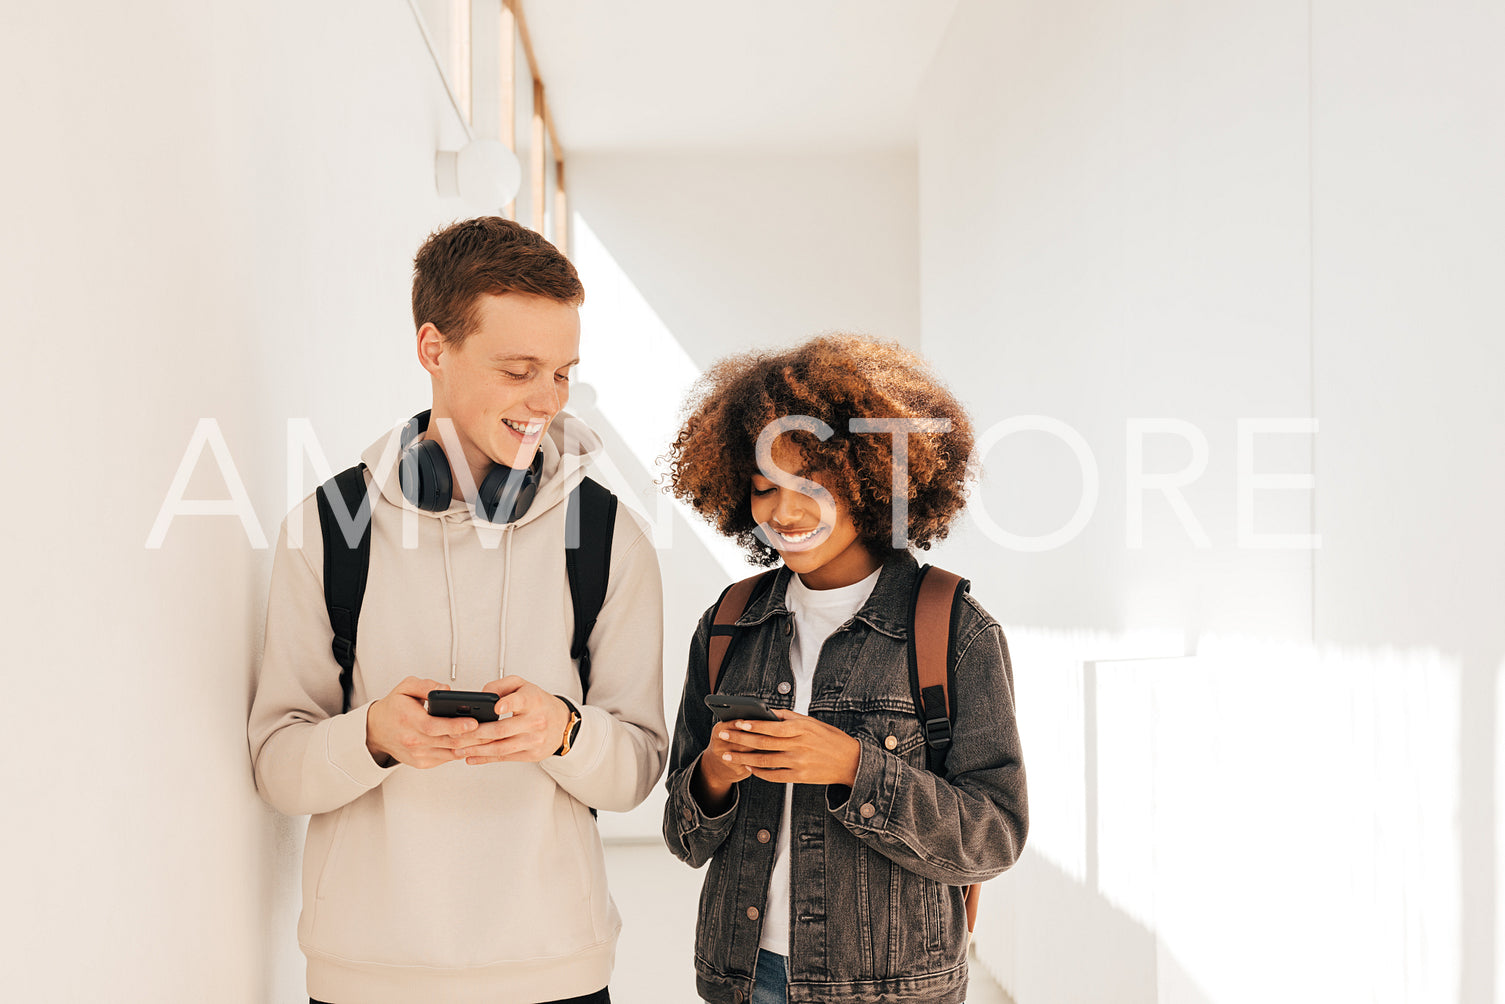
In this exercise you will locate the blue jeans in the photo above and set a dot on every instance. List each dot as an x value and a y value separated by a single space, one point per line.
771 983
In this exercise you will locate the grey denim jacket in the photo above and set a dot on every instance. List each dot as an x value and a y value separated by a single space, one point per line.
877 912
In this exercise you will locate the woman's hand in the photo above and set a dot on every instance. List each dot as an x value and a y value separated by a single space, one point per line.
795 749
715 776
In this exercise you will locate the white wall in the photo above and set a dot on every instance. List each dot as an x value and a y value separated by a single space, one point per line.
1209 212
735 251
1114 227
211 211
1408 212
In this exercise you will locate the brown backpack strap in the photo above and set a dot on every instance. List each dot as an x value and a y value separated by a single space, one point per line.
930 652
932 627
931 630
728 609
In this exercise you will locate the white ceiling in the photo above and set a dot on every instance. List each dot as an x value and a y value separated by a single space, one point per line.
656 75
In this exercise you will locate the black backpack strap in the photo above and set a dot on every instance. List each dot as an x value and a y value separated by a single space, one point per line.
345 565
589 524
932 642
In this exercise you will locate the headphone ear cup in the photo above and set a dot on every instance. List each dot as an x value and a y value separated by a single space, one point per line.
425 477
505 494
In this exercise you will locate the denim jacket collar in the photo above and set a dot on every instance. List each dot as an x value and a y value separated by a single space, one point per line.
887 608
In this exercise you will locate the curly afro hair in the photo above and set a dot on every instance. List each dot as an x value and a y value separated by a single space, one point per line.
834 378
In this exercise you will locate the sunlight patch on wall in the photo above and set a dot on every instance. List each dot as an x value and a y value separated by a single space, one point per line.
1049 677
640 374
1281 821
1308 800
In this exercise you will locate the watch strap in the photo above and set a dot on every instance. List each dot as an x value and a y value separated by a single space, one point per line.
571 728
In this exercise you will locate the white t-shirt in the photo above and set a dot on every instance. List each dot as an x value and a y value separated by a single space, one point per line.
817 615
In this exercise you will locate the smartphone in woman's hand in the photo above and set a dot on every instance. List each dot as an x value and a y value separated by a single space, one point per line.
734 707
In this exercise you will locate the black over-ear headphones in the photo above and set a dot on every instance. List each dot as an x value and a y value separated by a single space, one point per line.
505 493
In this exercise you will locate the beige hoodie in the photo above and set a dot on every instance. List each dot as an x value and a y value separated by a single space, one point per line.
460 883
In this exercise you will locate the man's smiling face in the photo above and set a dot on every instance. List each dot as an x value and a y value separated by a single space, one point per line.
502 385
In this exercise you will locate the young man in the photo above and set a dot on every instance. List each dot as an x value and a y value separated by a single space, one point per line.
448 860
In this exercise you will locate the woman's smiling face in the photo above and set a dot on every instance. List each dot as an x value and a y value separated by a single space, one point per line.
826 554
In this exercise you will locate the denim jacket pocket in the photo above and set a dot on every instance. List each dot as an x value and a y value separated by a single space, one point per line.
900 925
887 728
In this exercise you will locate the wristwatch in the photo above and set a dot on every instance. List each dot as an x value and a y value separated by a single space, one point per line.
571 728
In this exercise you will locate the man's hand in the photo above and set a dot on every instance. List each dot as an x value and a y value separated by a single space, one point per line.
795 749
397 726
534 731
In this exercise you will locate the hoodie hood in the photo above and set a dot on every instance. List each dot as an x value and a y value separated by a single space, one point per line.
565 448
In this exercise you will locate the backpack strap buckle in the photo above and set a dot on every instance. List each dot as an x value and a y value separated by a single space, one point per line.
932 629
935 720
938 733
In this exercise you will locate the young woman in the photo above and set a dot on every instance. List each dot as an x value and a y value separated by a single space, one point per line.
838 857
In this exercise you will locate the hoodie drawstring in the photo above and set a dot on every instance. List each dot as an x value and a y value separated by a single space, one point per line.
501 640
449 587
449 590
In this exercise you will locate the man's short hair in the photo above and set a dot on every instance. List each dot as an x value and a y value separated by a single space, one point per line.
489 254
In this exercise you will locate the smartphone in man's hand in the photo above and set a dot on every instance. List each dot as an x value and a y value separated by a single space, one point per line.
477 704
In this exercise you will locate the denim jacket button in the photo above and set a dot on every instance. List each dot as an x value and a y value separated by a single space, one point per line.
764 836
784 687
789 627
752 913
867 810
890 743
